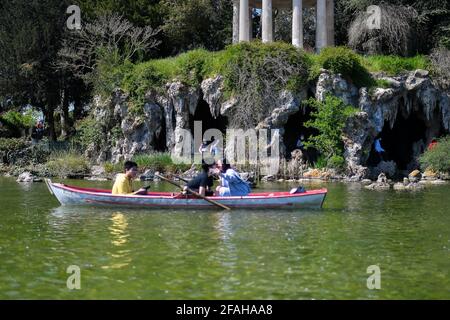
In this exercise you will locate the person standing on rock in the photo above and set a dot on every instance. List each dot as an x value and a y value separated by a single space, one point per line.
301 145
37 133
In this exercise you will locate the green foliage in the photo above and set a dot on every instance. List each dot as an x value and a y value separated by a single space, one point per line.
438 158
253 57
18 120
67 163
336 162
328 118
382 83
394 65
113 167
88 131
12 144
321 162
159 162
346 62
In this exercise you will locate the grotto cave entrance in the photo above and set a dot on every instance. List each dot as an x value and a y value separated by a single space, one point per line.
203 114
400 141
160 141
294 128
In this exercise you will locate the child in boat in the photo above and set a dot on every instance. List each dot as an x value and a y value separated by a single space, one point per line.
124 181
202 183
231 183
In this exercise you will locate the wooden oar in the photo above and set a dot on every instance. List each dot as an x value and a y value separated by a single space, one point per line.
194 193
182 179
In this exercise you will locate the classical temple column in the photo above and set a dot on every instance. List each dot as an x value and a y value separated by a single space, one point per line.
250 23
321 24
297 23
235 21
267 23
330 23
243 21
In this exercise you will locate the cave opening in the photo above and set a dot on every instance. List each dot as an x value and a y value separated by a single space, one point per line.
203 114
160 141
400 142
294 129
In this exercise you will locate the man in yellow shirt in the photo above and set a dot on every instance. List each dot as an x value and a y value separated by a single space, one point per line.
124 181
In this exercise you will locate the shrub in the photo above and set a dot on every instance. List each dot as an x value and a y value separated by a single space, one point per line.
346 62
440 61
257 73
328 118
88 131
438 158
394 35
336 162
159 162
113 167
67 163
12 144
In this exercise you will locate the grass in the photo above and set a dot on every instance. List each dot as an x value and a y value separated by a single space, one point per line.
394 65
67 163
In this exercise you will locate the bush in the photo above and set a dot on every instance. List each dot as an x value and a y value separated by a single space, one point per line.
67 164
257 73
159 162
12 144
113 167
346 62
329 119
440 61
336 162
394 36
88 131
437 158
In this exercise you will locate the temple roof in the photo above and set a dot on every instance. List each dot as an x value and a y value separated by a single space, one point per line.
281 4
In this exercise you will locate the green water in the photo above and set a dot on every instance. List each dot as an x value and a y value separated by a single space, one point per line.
318 254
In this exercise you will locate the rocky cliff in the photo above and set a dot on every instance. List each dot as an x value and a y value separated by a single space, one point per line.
381 110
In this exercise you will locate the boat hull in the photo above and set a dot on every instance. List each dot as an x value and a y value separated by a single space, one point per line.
68 195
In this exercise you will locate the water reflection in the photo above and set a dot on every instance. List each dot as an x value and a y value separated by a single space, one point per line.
119 235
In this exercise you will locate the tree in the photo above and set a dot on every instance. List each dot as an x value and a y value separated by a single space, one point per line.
29 40
190 24
110 36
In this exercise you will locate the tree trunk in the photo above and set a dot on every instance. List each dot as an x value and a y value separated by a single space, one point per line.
50 122
64 116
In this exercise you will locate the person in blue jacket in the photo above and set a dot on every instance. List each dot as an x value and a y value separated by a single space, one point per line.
231 183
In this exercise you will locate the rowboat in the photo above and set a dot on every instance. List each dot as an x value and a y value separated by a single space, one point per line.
71 195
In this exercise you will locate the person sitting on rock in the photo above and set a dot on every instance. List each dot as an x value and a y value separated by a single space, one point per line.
124 181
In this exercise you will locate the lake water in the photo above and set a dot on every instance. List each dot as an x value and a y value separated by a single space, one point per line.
270 254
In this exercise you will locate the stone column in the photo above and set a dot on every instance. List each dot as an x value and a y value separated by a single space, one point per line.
250 24
330 23
243 21
321 24
266 21
297 23
235 21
